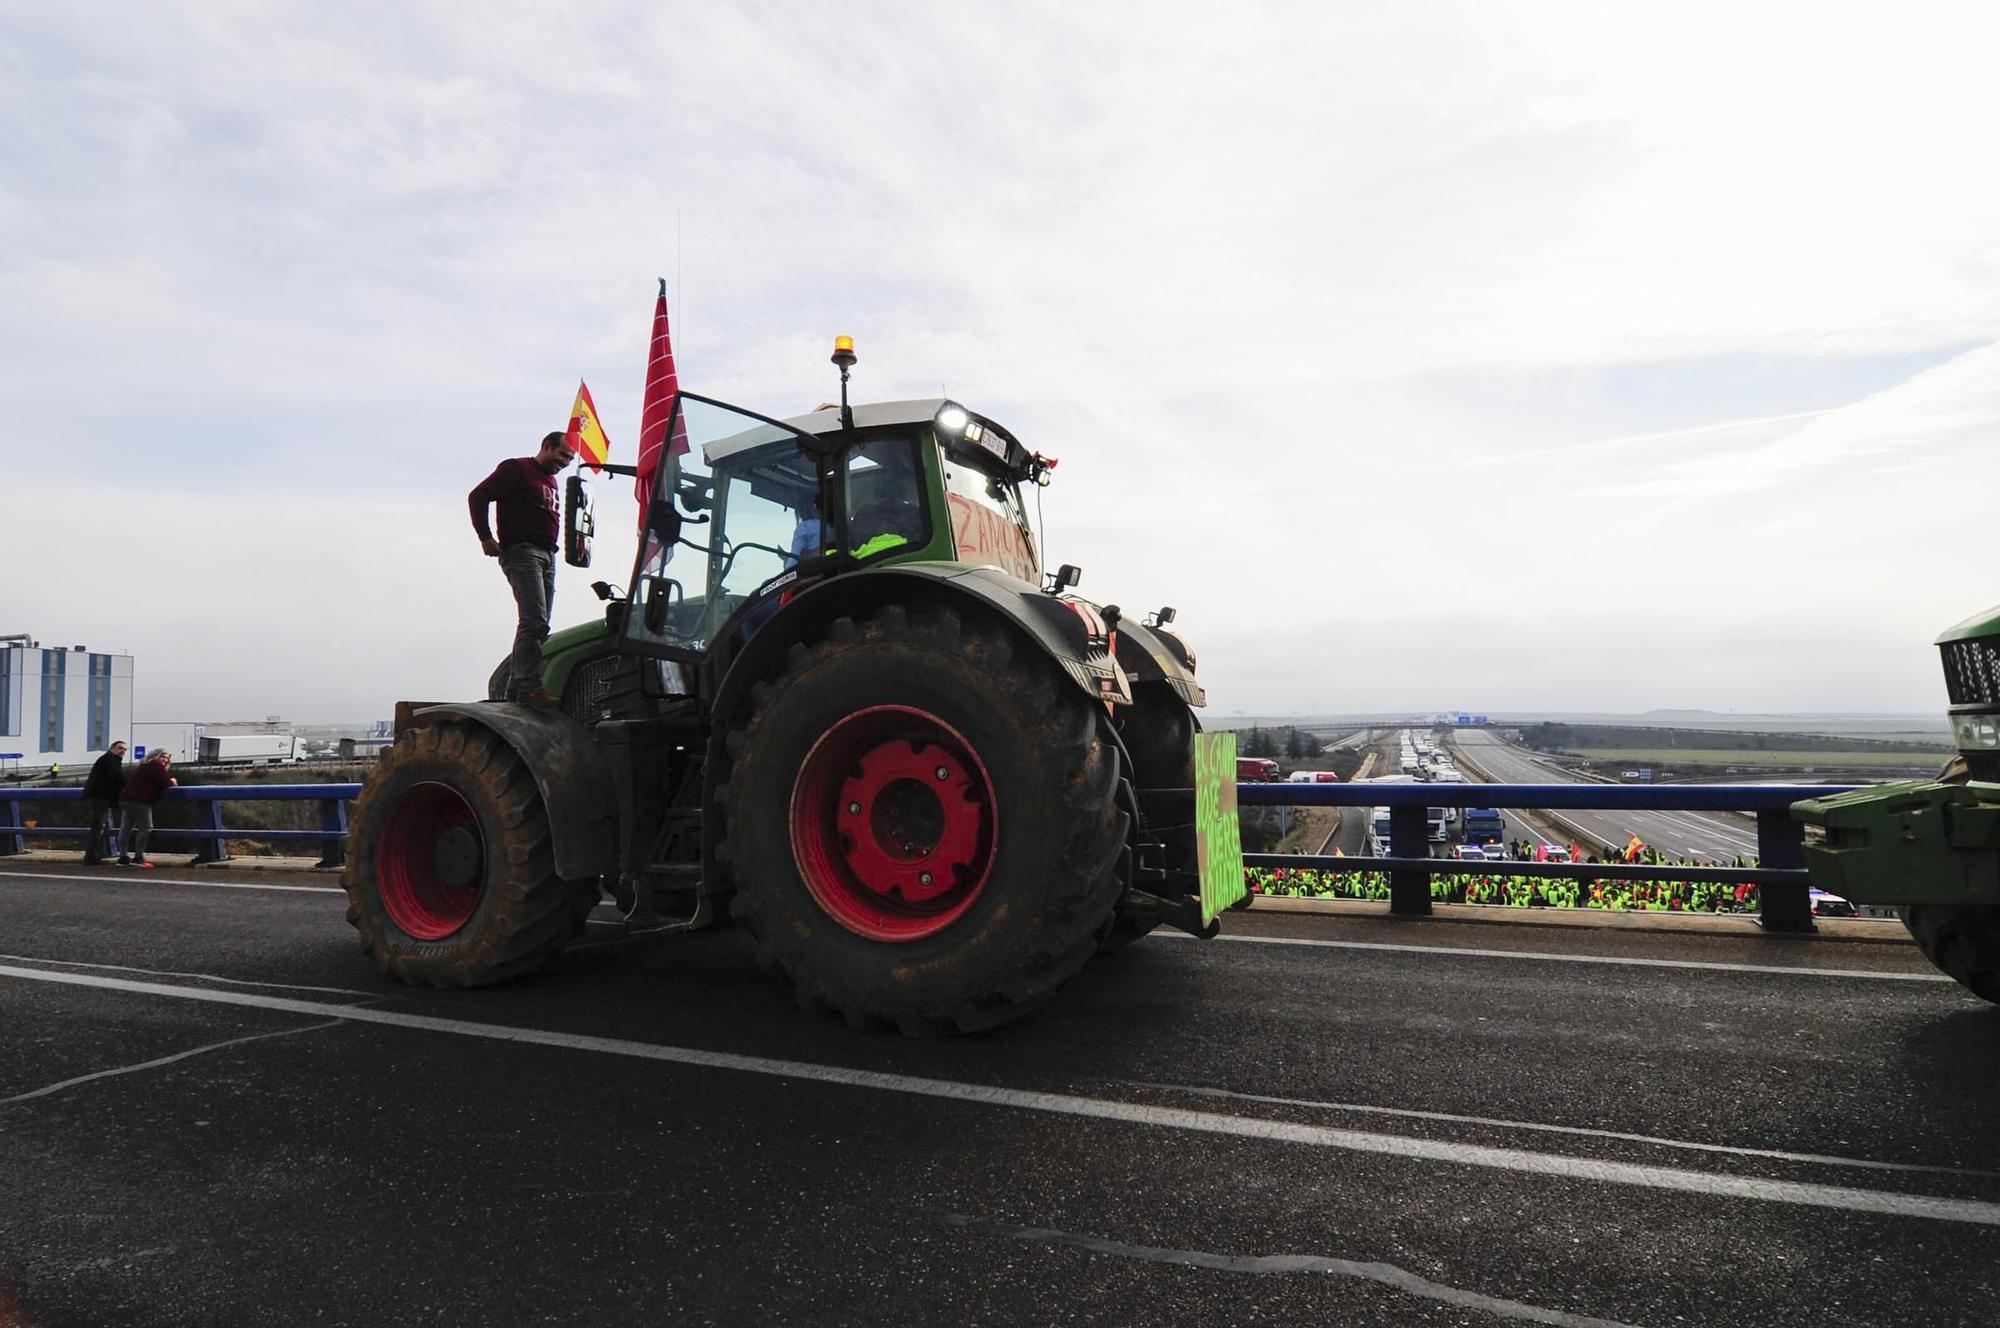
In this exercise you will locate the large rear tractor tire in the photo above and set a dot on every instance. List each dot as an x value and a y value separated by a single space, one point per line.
451 877
923 824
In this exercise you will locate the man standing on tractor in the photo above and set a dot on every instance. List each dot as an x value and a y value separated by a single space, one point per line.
530 521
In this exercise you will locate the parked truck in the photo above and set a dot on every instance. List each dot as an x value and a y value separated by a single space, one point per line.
248 749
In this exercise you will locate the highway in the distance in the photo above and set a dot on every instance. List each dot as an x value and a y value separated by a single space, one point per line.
1710 836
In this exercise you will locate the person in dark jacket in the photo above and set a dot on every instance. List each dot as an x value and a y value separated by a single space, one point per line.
136 801
523 491
100 799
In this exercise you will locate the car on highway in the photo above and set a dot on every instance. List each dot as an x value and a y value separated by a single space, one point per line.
1312 777
1554 853
1828 905
1473 853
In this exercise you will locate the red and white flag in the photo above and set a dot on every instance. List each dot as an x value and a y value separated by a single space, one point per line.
663 385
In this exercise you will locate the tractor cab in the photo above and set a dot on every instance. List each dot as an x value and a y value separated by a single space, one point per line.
749 511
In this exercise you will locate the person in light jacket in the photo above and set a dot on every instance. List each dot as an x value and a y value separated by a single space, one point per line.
136 801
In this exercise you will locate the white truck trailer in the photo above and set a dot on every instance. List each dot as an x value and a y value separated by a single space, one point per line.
248 749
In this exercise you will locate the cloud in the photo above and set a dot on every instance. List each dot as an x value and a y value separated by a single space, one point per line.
238 608
1241 277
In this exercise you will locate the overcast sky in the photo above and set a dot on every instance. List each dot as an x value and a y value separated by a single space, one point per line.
1476 356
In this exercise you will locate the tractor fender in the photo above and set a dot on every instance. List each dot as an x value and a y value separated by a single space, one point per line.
1153 654
1069 630
571 773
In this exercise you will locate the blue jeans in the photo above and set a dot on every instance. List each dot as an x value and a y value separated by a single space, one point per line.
531 571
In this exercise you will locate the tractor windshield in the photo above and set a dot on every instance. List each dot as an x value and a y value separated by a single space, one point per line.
988 525
727 516
732 514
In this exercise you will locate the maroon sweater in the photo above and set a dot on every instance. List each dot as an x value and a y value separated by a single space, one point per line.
529 507
147 783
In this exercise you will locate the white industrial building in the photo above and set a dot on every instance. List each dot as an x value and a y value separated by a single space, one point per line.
60 705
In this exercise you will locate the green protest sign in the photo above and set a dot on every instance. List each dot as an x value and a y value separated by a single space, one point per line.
1218 840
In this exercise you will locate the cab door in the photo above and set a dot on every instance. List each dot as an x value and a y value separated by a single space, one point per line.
732 508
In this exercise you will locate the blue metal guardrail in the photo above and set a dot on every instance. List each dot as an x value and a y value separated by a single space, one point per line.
1783 904
211 836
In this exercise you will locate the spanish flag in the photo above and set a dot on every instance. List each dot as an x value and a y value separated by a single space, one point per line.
586 436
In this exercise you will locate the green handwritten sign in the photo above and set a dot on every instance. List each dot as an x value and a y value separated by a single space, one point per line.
1218 840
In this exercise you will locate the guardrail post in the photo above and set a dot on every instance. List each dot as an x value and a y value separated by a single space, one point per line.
1781 843
333 820
12 841
213 848
1409 837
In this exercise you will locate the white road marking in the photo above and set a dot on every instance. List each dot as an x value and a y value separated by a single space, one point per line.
1406 1113
139 876
205 977
163 1060
1546 956
1843 1198
1388 1274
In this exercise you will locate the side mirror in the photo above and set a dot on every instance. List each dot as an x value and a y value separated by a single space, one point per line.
695 493
659 593
1064 577
607 591
663 521
1161 617
579 522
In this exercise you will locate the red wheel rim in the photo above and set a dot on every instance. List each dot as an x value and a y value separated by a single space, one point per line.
894 824
429 861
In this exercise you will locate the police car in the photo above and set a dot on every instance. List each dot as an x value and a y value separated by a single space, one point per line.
1825 905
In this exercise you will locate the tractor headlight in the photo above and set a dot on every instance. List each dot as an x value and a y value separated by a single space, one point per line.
1980 733
952 419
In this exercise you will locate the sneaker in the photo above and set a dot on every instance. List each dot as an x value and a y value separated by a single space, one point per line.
143 862
124 861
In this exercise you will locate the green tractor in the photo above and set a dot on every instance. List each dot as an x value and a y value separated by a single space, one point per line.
1933 846
841 708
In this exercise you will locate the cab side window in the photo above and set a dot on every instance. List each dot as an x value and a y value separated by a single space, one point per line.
885 497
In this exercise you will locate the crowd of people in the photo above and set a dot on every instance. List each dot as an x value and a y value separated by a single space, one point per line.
1499 887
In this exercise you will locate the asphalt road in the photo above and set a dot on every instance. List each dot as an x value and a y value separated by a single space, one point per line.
212 1111
1715 837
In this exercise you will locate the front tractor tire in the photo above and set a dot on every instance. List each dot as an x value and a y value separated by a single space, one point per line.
451 878
923 824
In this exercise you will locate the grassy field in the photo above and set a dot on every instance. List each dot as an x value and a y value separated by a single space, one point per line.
1633 758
